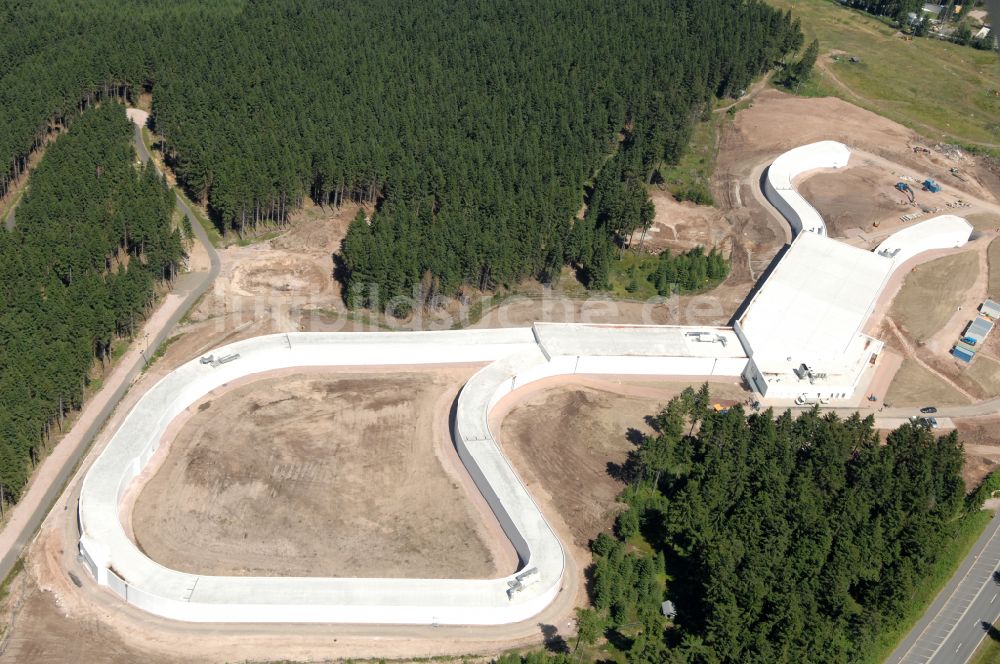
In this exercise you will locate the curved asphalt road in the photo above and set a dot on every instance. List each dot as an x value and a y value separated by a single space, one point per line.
190 287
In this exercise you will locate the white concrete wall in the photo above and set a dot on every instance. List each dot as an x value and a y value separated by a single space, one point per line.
515 359
780 192
943 232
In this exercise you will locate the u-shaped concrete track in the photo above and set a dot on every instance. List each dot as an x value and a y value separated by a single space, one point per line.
515 357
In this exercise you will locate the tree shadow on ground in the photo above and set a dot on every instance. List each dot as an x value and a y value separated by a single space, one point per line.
552 639
991 631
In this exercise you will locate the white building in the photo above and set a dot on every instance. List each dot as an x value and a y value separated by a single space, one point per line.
803 329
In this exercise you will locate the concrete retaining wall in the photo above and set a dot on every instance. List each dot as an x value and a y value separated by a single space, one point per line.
514 359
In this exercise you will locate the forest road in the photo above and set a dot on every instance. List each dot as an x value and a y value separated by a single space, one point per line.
53 473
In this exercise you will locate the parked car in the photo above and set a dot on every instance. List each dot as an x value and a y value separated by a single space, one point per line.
928 410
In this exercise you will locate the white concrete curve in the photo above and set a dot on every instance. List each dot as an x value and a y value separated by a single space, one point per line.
781 193
517 356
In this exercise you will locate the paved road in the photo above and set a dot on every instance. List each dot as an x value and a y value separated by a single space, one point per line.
957 621
27 515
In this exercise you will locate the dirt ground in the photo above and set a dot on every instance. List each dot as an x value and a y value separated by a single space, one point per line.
994 259
568 442
914 384
932 292
981 439
680 226
856 198
777 122
317 474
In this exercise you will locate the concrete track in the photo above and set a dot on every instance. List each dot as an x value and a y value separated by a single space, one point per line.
51 476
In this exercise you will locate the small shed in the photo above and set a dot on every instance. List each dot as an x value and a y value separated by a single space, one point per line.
669 611
962 354
979 329
990 309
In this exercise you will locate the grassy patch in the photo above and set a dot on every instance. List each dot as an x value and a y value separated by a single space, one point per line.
10 206
932 292
694 170
11 575
629 276
915 386
160 351
210 229
254 239
937 88
969 529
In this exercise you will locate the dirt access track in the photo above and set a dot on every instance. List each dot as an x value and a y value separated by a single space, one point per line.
319 473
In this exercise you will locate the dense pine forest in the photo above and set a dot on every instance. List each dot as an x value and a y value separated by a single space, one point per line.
779 539
471 128
92 239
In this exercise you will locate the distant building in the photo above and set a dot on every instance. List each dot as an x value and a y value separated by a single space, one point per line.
991 309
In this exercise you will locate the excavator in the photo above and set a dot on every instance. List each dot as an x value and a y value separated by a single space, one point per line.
906 189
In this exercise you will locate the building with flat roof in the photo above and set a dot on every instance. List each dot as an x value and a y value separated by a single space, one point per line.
990 309
802 330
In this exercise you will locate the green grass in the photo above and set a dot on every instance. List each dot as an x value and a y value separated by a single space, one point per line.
695 167
210 229
970 528
160 351
633 270
989 651
936 88
11 575
254 239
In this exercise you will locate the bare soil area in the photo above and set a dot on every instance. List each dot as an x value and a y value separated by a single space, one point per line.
318 474
981 439
569 438
913 384
994 262
932 292
857 198
680 226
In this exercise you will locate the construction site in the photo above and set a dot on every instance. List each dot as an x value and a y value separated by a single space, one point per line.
232 471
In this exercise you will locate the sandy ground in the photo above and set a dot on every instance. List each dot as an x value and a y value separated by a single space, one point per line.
569 436
994 271
859 197
932 292
318 473
981 439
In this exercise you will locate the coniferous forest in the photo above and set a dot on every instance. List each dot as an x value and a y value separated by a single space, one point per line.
785 539
471 127
93 238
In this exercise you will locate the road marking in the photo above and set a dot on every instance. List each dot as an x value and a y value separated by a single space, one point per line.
958 595
994 598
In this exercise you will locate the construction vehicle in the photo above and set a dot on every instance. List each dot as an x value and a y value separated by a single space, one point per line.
906 189
958 174
918 148
931 186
